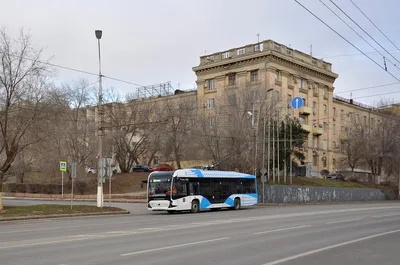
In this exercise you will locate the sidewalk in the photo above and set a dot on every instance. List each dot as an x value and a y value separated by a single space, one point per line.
121 198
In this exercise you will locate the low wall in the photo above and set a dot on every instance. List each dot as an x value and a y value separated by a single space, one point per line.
303 194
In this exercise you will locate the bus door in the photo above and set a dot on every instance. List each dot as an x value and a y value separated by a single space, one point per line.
216 187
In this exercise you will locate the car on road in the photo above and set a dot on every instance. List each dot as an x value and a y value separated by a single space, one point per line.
141 168
335 176
162 167
91 170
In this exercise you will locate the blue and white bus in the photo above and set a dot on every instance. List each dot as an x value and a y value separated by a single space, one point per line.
196 190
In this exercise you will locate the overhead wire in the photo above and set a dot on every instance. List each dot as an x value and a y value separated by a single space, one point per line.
364 31
375 26
350 27
349 42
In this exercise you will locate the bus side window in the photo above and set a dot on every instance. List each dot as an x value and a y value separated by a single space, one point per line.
194 187
247 186
253 186
237 186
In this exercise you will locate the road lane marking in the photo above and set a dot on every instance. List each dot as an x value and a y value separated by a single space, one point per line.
175 246
343 221
281 229
386 215
43 243
279 261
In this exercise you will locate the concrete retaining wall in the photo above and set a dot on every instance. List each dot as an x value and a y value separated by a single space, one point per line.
302 194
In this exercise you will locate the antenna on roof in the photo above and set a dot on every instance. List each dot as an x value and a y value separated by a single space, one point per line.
311 50
258 37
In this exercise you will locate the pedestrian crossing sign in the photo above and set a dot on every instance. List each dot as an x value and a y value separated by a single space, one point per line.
63 166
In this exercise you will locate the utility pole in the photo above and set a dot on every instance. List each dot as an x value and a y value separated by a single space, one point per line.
285 148
273 145
269 143
291 151
100 199
278 145
263 158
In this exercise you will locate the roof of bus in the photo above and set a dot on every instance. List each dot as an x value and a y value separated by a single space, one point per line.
197 173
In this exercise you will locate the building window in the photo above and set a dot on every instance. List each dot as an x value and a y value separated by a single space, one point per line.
325 91
302 119
314 142
210 84
314 106
324 161
324 145
289 100
334 112
315 160
289 80
350 116
325 126
254 76
333 164
211 103
241 51
226 55
372 122
212 122
341 114
325 109
304 102
301 83
334 128
232 80
277 75
365 120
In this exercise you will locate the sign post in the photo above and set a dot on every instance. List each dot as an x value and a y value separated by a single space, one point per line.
73 176
263 180
296 103
109 174
63 168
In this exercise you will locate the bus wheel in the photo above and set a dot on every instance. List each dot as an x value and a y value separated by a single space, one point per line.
236 205
171 212
195 207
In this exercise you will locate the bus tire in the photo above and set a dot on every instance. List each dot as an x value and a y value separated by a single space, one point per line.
195 206
171 211
236 205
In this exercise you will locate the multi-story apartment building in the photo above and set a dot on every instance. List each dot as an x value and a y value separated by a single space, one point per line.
267 66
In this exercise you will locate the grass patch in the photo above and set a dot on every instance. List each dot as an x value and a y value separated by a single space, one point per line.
317 182
51 209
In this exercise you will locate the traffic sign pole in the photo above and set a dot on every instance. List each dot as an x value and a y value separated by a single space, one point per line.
62 184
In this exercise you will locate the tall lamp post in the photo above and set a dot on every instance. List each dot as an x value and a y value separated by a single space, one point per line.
100 198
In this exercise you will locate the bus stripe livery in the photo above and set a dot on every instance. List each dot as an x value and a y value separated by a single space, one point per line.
195 190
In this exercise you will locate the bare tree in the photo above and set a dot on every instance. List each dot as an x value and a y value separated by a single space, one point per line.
178 115
23 87
130 131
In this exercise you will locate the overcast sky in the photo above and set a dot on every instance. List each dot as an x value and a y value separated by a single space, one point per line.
153 41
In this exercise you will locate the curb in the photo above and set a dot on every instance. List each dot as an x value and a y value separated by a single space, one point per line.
75 200
62 215
322 203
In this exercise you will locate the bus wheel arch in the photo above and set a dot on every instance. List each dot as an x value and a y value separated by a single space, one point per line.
195 206
236 204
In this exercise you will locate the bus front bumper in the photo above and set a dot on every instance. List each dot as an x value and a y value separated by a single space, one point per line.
160 205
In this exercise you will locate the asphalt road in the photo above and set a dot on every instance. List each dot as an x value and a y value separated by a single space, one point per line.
357 234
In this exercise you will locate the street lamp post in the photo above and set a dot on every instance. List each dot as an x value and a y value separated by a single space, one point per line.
100 199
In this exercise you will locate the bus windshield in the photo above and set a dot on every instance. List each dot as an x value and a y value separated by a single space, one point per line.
159 185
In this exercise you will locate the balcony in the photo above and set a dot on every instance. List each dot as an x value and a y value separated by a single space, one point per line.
306 110
306 127
317 131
